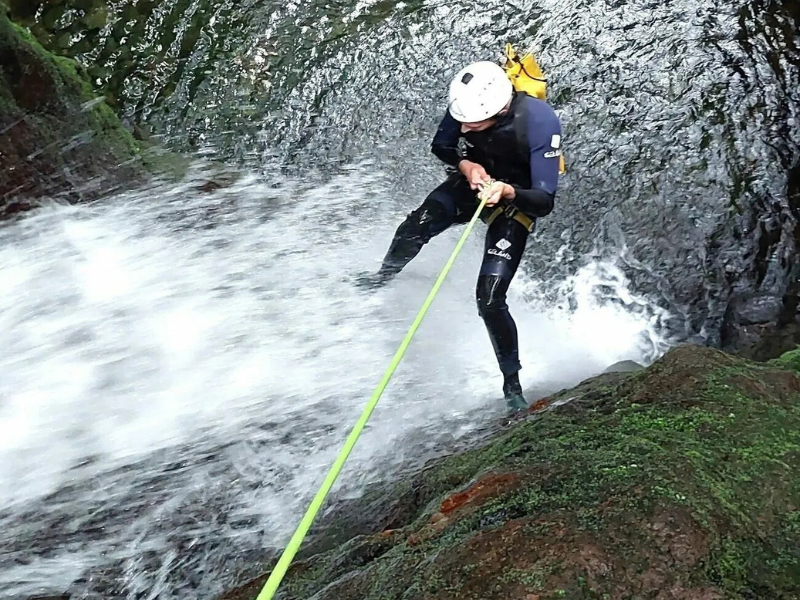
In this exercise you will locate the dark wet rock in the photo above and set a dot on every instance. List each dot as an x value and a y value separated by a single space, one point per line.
757 310
673 482
754 327
763 326
58 140
763 341
761 319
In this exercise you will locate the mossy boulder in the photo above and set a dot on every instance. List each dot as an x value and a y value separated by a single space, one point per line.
788 360
679 481
57 137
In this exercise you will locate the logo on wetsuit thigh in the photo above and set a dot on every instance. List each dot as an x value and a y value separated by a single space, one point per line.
503 244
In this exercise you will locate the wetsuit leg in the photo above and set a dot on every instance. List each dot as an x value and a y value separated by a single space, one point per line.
505 244
443 207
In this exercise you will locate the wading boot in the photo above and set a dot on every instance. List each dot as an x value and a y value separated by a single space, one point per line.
512 390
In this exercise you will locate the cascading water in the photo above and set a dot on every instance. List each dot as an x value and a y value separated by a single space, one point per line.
179 367
180 373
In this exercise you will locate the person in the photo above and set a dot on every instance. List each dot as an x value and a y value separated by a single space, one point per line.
504 144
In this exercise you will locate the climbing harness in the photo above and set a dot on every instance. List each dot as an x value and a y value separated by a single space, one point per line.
275 578
510 211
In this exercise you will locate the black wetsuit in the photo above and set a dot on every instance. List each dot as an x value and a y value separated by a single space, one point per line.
521 149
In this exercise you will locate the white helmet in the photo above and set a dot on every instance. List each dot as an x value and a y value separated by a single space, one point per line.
479 92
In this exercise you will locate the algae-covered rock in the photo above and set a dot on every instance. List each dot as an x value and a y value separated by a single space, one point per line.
679 481
788 360
57 138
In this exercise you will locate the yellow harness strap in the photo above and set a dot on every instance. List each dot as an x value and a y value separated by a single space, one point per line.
514 213
511 211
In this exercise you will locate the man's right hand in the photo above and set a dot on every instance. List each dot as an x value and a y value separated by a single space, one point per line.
475 174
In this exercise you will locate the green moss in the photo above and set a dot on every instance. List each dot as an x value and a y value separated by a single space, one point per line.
728 566
73 88
745 568
793 522
533 578
67 126
721 458
303 576
789 360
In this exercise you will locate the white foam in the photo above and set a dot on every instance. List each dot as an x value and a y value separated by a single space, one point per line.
226 325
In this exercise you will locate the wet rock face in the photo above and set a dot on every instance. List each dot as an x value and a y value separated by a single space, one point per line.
758 310
56 138
672 482
761 319
694 186
762 326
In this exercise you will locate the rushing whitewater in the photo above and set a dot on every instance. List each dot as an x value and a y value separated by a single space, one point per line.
178 373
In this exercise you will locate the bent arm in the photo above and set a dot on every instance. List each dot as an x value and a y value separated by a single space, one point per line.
445 142
544 139
534 202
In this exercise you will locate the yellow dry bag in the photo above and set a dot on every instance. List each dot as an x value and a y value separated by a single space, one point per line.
526 76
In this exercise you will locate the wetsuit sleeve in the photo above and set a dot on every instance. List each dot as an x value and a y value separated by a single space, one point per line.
445 142
544 139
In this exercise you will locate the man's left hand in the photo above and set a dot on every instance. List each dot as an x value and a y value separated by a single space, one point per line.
499 190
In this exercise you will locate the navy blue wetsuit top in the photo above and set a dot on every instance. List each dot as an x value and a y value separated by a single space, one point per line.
538 155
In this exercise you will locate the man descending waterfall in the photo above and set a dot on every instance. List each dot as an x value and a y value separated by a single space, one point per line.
490 133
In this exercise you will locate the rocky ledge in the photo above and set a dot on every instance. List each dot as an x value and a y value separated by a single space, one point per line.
677 482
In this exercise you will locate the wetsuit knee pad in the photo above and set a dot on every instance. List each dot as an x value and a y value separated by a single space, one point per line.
490 294
426 221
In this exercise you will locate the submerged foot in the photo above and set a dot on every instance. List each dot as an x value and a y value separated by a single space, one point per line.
512 390
372 281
